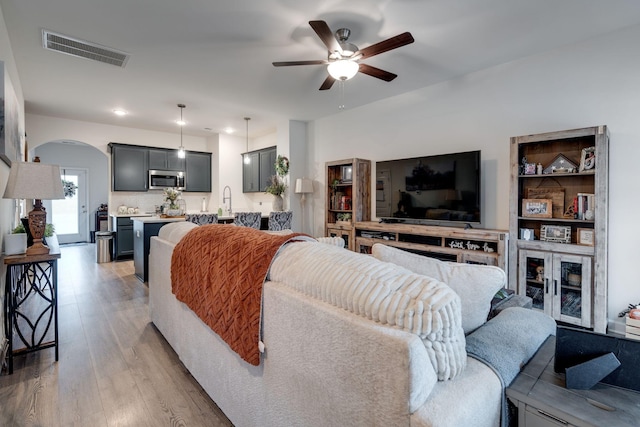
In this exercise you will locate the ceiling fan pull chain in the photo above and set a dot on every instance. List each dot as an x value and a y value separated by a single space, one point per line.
341 94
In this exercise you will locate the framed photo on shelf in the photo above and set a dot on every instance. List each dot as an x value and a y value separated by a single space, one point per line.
529 169
555 233
536 208
588 160
556 194
585 236
347 174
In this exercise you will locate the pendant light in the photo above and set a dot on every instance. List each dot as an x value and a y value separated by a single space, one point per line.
181 153
247 159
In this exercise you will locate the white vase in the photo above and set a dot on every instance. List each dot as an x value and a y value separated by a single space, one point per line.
278 204
15 243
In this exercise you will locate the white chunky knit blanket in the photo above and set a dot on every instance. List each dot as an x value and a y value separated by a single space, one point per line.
380 291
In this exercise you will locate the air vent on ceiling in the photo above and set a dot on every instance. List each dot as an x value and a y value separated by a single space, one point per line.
83 49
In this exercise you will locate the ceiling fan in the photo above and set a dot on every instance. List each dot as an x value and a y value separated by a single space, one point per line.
344 58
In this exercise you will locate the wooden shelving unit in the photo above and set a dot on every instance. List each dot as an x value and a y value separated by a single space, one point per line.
348 194
475 246
564 267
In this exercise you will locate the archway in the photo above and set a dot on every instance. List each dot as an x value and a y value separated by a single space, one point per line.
88 167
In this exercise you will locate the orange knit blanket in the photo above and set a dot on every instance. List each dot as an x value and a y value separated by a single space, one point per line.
218 271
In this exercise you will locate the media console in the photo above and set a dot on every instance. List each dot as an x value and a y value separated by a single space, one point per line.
474 246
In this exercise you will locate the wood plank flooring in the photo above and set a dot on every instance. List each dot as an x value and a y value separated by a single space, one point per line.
115 368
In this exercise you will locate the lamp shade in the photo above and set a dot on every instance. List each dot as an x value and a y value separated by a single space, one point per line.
304 186
34 181
343 69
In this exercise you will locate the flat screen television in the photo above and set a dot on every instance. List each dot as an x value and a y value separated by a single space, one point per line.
442 189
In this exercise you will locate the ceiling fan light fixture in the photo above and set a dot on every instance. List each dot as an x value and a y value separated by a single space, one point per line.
343 69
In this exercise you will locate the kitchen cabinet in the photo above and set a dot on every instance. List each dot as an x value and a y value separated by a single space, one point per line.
256 175
129 167
123 244
198 172
267 167
160 159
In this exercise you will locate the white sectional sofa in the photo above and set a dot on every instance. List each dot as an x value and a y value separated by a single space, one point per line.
329 360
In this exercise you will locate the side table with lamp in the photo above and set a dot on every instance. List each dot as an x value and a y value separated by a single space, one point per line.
31 291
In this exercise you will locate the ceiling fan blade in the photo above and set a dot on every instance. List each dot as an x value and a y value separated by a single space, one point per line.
386 45
328 82
326 35
377 72
289 63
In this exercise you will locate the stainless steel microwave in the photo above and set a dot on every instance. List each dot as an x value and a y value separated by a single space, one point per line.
159 180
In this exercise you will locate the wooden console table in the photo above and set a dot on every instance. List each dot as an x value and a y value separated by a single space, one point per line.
475 246
543 400
31 303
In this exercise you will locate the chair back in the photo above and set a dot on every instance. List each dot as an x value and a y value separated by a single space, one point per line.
202 219
280 220
248 219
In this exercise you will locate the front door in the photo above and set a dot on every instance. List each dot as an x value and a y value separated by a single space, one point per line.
70 215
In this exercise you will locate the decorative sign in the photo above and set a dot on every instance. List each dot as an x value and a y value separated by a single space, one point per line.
471 245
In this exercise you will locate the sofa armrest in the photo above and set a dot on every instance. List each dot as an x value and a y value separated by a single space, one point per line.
513 301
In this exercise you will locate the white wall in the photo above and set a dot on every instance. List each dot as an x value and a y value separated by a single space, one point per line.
587 84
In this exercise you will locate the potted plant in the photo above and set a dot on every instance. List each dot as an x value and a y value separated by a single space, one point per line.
343 218
278 186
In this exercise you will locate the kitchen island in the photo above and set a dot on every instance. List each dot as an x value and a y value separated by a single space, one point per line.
143 229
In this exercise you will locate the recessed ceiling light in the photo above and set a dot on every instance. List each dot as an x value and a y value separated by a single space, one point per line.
229 130
181 122
119 112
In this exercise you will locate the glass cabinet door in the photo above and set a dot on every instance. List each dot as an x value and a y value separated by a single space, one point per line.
535 277
572 289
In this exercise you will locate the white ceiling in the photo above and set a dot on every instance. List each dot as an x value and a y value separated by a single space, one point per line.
215 56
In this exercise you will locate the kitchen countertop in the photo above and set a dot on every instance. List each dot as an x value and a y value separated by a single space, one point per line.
127 215
152 219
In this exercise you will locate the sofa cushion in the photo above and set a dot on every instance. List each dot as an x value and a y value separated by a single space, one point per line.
382 292
174 231
476 284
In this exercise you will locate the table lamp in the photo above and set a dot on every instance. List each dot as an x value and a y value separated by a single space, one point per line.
304 186
39 182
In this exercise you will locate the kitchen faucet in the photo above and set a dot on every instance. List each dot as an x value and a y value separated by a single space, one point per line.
225 198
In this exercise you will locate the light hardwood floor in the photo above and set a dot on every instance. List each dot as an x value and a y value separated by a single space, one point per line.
115 368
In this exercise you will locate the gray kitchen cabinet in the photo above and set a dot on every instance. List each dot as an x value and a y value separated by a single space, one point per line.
251 173
256 175
267 167
129 167
161 159
123 246
198 172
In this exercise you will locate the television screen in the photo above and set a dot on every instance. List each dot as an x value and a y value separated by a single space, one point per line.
421 190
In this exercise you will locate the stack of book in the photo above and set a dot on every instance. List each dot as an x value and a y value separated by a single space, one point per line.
633 329
582 203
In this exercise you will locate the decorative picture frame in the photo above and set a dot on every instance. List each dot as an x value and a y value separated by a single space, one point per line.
347 173
537 208
585 236
555 233
527 234
556 194
10 134
588 160
529 169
